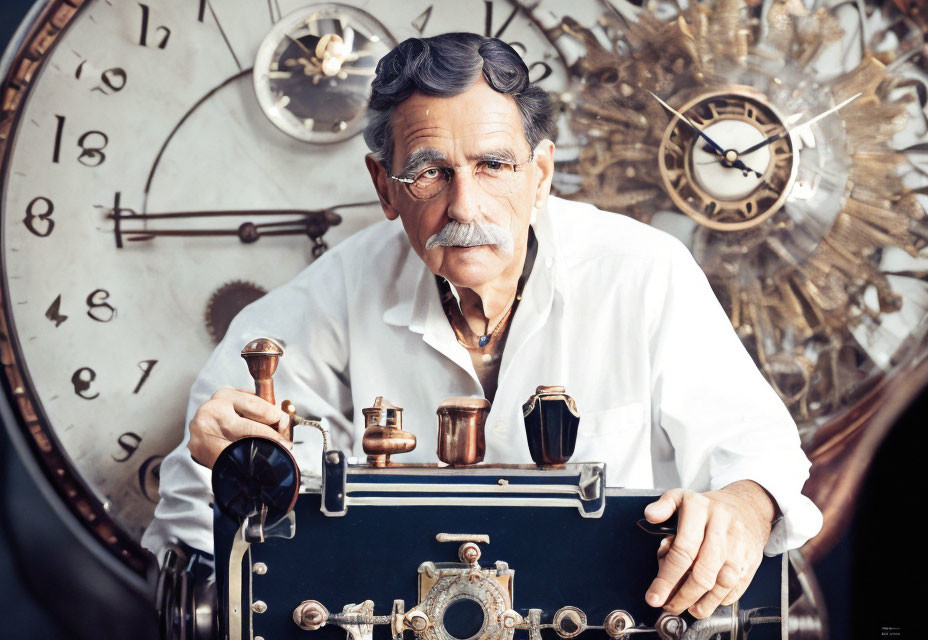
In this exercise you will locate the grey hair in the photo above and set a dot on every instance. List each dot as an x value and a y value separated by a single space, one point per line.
448 65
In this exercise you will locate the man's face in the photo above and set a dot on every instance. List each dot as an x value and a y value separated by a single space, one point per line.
463 132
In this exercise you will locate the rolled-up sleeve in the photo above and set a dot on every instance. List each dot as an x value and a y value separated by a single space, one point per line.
723 419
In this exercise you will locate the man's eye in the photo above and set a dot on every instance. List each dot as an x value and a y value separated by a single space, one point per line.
430 174
494 166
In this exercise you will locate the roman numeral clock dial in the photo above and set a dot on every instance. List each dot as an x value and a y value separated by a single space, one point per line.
165 163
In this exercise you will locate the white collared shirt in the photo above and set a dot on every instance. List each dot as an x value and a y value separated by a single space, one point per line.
614 310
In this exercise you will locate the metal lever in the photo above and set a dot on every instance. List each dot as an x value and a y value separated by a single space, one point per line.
463 537
666 528
262 356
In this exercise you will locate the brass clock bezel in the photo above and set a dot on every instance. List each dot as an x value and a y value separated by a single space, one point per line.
777 179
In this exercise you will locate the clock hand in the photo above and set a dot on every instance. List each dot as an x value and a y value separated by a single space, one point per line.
714 146
302 46
312 222
247 232
807 123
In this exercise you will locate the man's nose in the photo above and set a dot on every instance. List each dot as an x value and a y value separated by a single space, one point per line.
464 195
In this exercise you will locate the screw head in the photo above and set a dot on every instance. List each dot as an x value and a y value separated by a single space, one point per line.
259 568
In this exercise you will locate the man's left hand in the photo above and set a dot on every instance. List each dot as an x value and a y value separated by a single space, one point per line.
718 546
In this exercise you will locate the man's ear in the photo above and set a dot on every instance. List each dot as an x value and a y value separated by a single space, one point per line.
381 183
544 160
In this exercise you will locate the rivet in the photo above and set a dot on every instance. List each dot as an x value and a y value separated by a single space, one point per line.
259 606
260 568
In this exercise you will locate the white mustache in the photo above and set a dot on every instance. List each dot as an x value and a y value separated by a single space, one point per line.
473 234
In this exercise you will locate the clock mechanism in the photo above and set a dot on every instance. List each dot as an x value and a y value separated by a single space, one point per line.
780 140
813 243
313 70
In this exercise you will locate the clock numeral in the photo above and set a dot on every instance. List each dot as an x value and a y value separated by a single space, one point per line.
96 302
129 443
164 31
113 79
59 130
44 229
54 314
488 20
545 71
81 380
90 156
146 366
149 476
420 21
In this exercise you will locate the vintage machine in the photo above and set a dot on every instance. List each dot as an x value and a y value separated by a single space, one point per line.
387 550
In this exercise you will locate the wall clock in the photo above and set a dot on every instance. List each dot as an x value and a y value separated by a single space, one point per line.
164 163
783 142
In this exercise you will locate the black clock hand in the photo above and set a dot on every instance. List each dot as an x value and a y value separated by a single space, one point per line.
312 222
713 145
807 123
302 46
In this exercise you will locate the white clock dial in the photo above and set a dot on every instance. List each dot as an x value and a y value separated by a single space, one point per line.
720 180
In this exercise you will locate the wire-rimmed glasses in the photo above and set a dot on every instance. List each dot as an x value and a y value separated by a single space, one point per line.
496 177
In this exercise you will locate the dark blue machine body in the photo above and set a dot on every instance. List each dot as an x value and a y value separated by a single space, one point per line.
373 552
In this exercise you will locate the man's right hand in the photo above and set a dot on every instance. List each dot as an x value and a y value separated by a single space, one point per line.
230 415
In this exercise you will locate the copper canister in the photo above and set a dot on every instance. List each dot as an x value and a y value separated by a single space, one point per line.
460 430
551 422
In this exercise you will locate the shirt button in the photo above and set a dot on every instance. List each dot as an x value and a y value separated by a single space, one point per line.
499 427
549 262
486 357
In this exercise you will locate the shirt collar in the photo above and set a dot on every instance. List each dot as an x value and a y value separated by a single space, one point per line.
418 292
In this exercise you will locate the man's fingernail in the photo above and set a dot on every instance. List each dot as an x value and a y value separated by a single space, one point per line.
652 599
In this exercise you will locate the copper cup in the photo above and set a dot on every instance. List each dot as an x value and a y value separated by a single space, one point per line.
460 430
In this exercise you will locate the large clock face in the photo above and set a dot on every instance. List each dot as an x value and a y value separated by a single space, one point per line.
167 162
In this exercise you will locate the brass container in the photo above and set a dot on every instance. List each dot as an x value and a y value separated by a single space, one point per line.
460 430
383 433
551 422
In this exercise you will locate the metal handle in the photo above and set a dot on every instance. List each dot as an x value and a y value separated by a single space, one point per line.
666 528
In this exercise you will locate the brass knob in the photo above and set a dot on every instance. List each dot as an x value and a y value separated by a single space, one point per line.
310 615
418 621
569 622
617 623
670 627
509 619
262 355
469 553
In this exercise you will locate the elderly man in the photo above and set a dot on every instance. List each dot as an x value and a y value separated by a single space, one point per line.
490 287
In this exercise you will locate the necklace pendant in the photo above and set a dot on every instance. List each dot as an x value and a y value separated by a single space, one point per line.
482 341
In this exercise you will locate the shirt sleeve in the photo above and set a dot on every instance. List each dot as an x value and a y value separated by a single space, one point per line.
725 422
313 373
